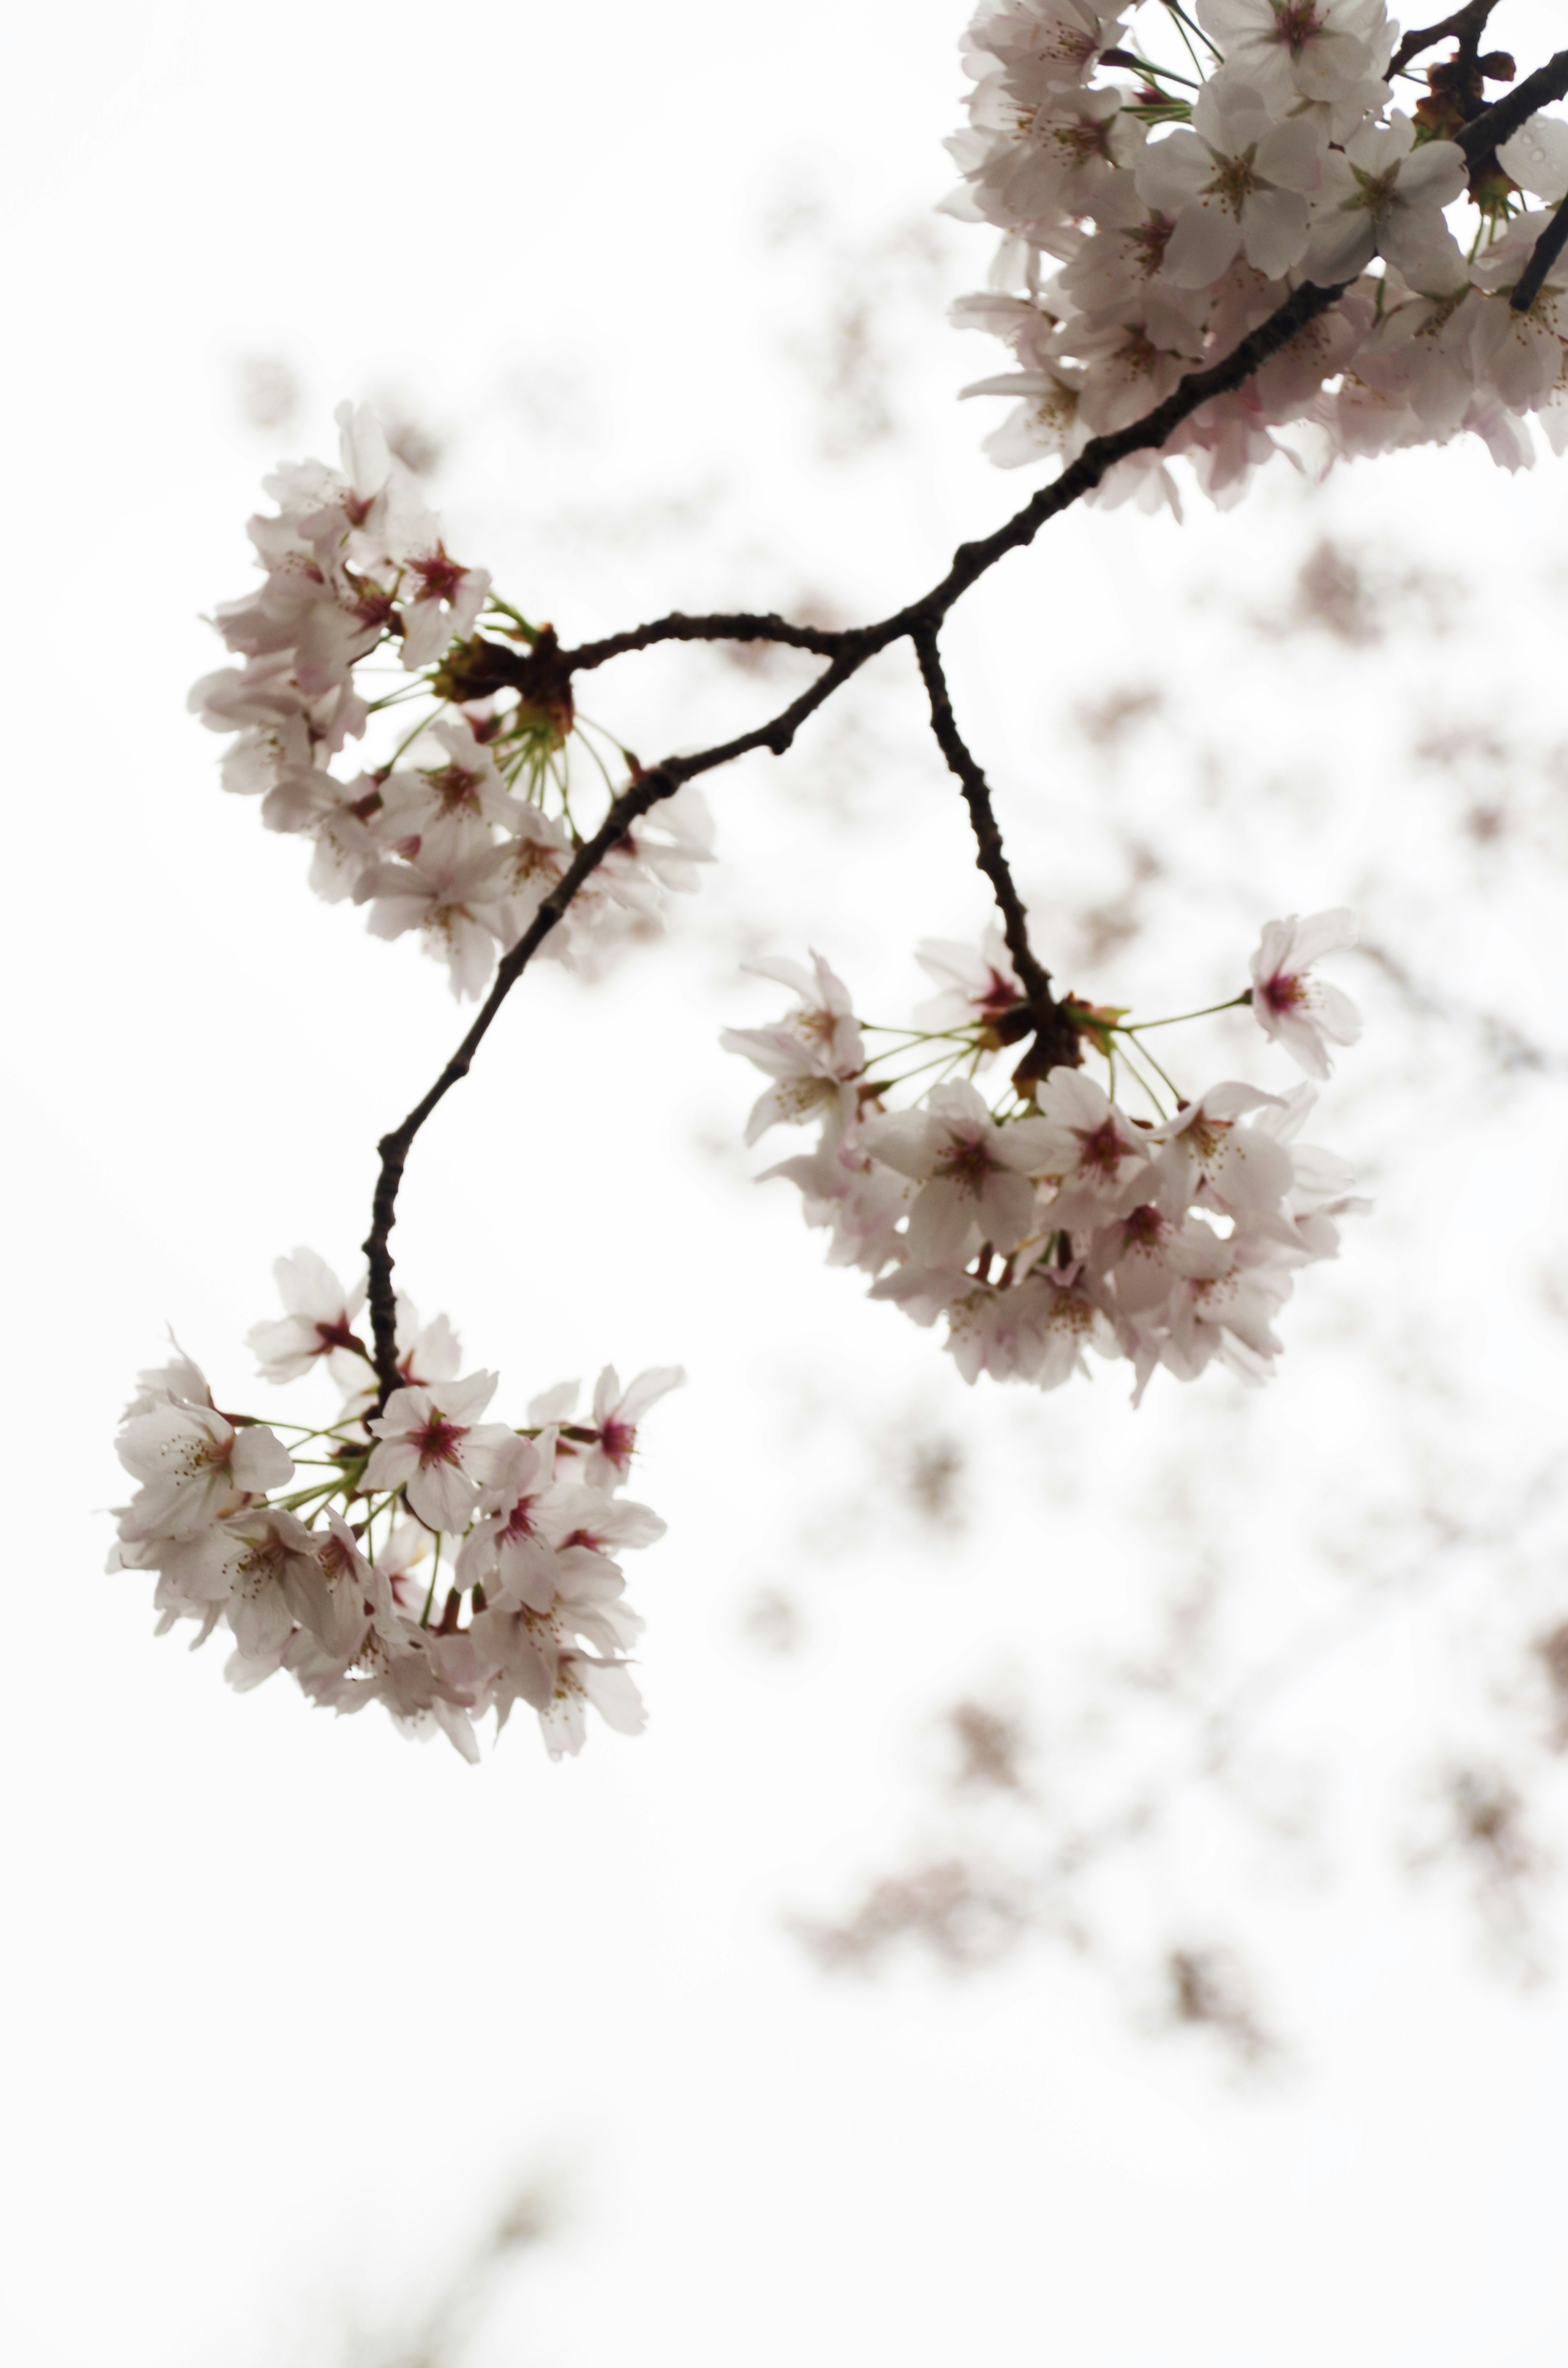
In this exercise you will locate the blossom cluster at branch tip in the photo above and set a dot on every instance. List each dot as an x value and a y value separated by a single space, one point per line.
1054 1222
423 1559
363 628
1163 181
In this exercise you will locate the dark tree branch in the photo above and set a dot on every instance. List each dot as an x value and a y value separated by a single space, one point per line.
677 628
1056 1040
848 650
1479 137
1548 247
1465 26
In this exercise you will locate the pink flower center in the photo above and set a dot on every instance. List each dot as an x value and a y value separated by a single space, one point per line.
1284 991
1296 23
1101 1149
616 1440
520 1520
455 789
439 1441
438 575
966 1164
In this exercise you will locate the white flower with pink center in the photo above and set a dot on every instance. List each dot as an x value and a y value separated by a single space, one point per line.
1211 1158
617 1413
1100 1159
441 601
431 1445
973 1175
195 1466
319 1323
978 989
1302 1013
814 1054
1296 50
509 1551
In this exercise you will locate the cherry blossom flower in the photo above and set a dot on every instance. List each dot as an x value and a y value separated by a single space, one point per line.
1384 195
458 905
1234 183
441 603
319 1323
1060 41
449 810
977 988
195 1467
509 1551
1304 1014
1214 1161
974 1174
814 1054
1099 1157
616 1415
1300 48
433 1449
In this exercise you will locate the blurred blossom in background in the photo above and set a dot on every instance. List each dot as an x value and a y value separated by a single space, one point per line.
1091 1890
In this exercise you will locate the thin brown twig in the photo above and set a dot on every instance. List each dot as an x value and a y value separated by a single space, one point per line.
849 651
1056 1041
1465 26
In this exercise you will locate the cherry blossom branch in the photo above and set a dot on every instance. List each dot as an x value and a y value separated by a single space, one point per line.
1548 247
1056 1040
848 650
1484 132
822 641
1465 26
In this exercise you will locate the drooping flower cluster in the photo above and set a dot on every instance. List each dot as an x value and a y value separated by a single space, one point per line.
1162 181
422 1558
462 822
1055 1222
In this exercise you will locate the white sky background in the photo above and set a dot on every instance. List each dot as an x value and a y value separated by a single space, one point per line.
290 2001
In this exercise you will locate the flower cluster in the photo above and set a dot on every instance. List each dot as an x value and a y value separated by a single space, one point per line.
463 823
1055 1222
325 1558
1163 181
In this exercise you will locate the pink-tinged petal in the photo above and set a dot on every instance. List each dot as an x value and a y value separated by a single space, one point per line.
1006 1209
648 1388
941 1223
1291 155
260 1460
904 1140
442 1496
1204 243
1274 231
1434 174
1172 171
1336 1014
1069 1099
391 1463
611 1689
1340 247
1303 1043
1028 1144
465 1401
